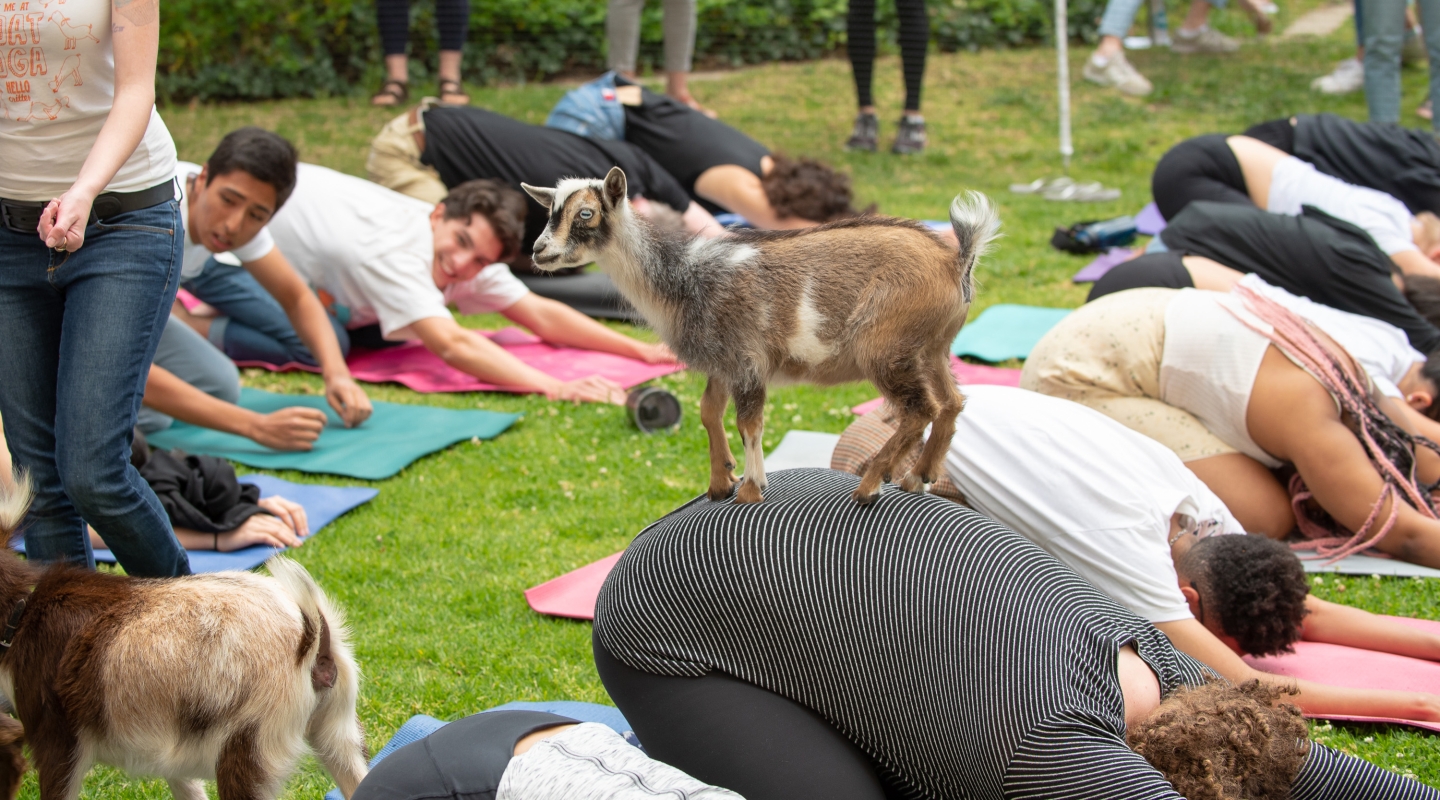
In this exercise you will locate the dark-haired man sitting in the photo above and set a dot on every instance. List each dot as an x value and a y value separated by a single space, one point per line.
387 266
231 262
1123 511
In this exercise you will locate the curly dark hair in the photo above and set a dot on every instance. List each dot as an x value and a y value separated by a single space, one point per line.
1254 586
808 189
497 202
1223 742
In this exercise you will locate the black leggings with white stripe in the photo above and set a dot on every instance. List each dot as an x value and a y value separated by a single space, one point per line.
914 38
729 733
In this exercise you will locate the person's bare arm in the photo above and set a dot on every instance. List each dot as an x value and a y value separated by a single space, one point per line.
558 323
274 272
287 429
1211 275
1192 638
478 356
1337 624
135 37
1414 262
738 189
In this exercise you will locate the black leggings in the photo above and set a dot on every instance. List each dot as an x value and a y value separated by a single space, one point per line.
1202 168
729 733
452 17
1165 270
1278 133
914 38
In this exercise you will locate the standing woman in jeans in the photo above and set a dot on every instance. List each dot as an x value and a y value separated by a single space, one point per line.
89 263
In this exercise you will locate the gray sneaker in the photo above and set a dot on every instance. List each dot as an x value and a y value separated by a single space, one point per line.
1208 40
910 139
866 134
1118 73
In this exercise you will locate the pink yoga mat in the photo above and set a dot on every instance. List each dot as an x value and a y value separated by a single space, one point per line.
964 373
413 366
1360 669
572 594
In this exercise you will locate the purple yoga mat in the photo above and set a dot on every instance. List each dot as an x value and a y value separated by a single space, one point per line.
1149 222
1105 262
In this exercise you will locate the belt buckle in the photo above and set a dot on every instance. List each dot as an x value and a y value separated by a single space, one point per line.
12 221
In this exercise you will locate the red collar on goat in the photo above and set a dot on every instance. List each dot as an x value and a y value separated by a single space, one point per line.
12 624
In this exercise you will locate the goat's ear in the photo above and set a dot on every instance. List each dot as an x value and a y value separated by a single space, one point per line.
545 197
615 187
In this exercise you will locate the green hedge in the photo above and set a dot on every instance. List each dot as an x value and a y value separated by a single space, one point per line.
255 49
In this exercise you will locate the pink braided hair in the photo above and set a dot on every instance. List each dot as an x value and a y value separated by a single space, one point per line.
1390 448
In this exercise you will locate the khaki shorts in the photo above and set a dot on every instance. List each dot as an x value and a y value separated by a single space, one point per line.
394 161
1106 355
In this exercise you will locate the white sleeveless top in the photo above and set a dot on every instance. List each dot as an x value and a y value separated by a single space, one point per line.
57 72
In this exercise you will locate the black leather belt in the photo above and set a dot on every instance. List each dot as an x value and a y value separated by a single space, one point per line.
23 216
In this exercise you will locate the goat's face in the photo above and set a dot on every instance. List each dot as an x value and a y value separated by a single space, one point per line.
584 218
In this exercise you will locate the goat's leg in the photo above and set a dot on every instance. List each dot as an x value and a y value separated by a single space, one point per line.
750 419
60 761
907 390
187 790
722 461
927 468
906 436
335 736
12 755
242 772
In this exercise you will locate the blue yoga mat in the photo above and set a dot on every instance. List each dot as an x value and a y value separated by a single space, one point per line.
1006 331
420 725
323 505
393 437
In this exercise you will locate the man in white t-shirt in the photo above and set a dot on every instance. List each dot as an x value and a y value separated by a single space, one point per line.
388 266
1123 511
231 262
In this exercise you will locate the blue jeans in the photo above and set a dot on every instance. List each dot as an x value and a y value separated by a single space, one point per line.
79 331
255 327
1120 15
1383 23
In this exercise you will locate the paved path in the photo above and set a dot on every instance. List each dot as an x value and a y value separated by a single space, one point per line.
1322 21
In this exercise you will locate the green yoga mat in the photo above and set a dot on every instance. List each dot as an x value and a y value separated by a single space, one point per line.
394 436
1006 331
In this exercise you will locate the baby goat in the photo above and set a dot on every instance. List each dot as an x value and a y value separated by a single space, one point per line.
224 676
870 297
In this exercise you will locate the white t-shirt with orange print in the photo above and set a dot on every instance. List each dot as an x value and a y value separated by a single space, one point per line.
57 73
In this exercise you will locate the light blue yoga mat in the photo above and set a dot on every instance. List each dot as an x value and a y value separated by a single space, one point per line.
393 437
323 505
420 725
1006 331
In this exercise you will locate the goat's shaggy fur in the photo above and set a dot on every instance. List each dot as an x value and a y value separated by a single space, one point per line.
870 297
223 677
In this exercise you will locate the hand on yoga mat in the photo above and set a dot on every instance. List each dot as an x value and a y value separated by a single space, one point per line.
287 511
294 428
260 529
593 389
348 399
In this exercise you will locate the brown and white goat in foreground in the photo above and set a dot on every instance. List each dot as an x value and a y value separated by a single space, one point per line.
225 676
871 297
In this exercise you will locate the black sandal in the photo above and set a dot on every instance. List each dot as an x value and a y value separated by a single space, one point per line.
392 93
453 88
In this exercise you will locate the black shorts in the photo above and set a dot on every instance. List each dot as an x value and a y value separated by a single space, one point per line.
1202 168
1165 270
1278 133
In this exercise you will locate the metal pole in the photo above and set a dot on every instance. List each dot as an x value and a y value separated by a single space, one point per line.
1062 55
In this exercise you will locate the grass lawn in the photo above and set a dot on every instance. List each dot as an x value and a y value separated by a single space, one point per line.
432 571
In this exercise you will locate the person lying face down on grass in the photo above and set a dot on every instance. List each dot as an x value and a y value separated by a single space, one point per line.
1122 510
1401 162
1239 384
719 167
802 647
1246 171
1312 255
387 265
231 262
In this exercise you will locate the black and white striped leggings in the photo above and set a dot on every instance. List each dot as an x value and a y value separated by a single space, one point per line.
914 38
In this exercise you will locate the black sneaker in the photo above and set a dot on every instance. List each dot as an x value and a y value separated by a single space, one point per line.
866 135
911 138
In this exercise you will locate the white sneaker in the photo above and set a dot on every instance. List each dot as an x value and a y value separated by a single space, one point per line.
1348 76
1206 40
1118 73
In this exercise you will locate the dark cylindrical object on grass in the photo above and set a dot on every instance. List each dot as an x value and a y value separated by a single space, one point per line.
653 409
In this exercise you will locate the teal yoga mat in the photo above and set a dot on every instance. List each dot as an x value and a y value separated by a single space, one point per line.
1006 331
393 437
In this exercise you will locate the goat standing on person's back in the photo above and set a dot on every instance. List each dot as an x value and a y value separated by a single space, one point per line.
869 297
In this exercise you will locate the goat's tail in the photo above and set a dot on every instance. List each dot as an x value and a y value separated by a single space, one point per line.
976 225
334 730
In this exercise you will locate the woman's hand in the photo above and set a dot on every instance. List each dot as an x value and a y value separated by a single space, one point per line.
593 389
261 529
62 223
289 512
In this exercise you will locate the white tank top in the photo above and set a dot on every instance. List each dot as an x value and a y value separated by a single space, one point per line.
1209 365
57 70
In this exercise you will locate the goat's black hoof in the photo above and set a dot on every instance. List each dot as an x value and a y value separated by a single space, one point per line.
866 498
